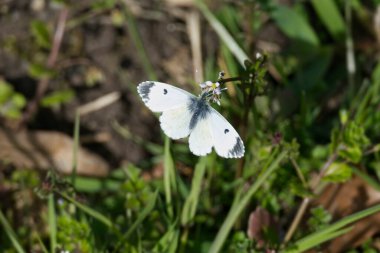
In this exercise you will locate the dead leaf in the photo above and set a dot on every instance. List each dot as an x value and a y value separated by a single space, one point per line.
345 199
260 224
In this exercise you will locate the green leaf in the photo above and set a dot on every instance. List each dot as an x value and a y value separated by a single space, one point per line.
12 113
18 100
319 152
294 25
38 71
330 16
93 76
319 219
354 134
315 63
57 98
352 154
6 91
338 172
343 116
42 34
11 102
299 189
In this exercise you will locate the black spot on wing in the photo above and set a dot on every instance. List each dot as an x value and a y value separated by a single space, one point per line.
199 109
238 149
226 131
144 90
165 91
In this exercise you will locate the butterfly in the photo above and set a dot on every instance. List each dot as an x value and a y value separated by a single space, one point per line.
184 114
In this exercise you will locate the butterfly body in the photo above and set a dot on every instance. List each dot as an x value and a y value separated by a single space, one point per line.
184 114
199 108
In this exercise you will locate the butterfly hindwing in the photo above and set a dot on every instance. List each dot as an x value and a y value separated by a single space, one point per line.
175 122
226 140
200 140
160 97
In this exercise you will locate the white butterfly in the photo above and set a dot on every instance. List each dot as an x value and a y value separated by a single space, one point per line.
184 114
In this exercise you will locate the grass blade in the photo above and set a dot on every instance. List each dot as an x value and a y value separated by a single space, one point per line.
191 203
334 229
302 247
133 31
238 208
93 213
75 148
94 185
169 242
42 245
294 25
144 213
169 177
331 18
222 32
52 223
11 234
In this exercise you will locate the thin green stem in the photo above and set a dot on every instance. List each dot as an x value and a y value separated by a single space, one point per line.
169 176
75 149
135 35
299 172
350 56
231 79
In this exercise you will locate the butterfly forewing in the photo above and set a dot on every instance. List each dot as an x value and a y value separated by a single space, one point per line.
160 97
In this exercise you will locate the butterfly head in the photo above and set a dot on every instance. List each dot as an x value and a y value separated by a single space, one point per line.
211 91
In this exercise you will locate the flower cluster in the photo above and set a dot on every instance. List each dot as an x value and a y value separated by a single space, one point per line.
213 91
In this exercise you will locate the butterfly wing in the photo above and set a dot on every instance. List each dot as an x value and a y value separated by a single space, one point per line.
175 122
172 102
160 97
184 114
226 140
200 140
